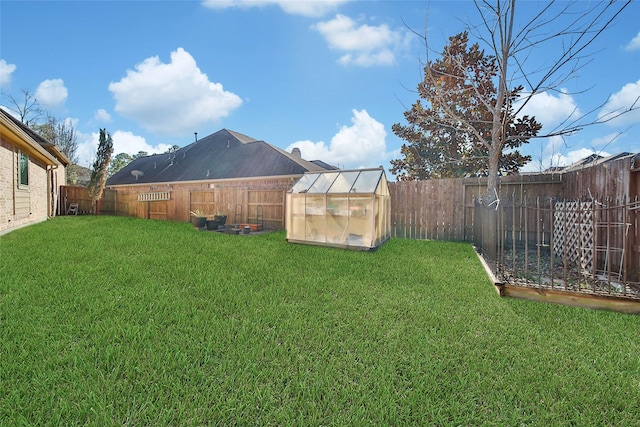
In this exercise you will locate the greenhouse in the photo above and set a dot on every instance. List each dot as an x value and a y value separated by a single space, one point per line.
341 208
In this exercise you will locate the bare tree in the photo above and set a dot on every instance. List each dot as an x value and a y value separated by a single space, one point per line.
573 25
28 109
564 31
62 134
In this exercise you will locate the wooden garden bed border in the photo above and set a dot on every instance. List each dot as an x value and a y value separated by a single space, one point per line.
555 296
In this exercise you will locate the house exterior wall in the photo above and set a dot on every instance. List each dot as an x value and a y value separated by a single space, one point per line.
7 157
21 206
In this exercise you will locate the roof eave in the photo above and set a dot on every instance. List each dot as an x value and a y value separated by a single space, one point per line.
55 150
18 137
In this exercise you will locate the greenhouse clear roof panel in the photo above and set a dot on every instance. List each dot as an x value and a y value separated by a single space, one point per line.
344 182
305 182
323 182
367 181
364 181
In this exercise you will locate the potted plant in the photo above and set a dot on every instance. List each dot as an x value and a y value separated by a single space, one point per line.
198 218
221 217
212 224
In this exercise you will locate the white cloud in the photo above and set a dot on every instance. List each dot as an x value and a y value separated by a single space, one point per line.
102 116
634 44
6 70
605 140
628 96
551 110
87 148
295 7
127 142
172 98
360 145
123 142
364 45
310 8
554 155
71 122
51 93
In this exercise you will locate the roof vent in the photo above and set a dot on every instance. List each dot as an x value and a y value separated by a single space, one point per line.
296 153
196 134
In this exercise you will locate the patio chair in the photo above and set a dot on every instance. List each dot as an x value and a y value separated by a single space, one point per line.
73 209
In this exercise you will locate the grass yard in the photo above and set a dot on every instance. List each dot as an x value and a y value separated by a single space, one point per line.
121 321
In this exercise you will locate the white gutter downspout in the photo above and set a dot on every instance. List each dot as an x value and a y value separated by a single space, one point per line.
50 208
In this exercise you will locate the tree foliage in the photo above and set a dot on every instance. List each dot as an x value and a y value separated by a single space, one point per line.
449 125
78 175
100 166
118 162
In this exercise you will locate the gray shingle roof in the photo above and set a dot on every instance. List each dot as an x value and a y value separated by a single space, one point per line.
223 155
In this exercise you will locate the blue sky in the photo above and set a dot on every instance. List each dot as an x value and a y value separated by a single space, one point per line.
330 77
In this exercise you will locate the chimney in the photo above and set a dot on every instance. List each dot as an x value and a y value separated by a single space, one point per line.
296 153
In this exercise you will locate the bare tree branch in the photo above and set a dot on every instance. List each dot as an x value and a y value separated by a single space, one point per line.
28 109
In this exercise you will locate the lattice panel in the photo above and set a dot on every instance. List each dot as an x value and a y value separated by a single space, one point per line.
573 232
154 197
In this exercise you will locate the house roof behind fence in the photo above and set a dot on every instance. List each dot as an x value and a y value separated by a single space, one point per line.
223 155
592 160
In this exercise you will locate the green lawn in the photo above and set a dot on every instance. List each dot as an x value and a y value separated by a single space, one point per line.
120 321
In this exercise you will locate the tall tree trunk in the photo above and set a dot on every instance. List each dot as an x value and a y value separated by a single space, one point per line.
492 181
498 125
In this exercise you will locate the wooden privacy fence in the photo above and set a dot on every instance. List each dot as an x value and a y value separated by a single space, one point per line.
241 204
443 209
74 194
434 209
